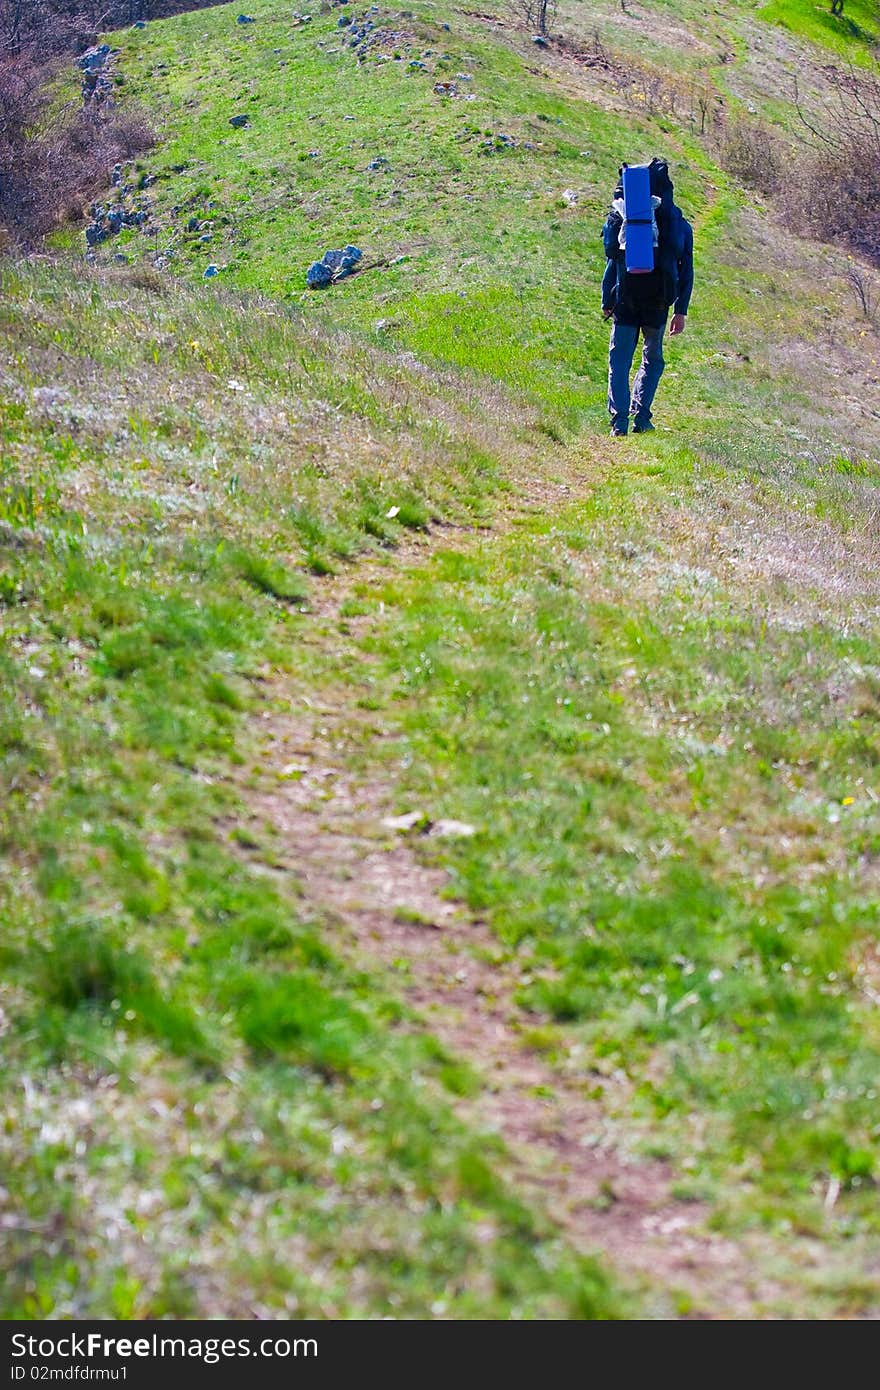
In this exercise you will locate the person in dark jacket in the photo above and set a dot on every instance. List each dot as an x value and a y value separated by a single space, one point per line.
640 304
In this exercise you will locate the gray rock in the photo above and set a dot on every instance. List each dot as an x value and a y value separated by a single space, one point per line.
333 265
318 275
239 122
94 58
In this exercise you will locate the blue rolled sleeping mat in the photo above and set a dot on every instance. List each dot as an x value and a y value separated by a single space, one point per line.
639 219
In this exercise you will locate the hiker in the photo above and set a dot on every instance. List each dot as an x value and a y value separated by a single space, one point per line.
639 301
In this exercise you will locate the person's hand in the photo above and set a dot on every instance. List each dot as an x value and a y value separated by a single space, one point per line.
678 324
606 313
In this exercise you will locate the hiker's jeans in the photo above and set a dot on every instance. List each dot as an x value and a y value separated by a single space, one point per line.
623 345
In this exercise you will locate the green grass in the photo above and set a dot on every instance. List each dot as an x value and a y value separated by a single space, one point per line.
670 826
259 1124
853 34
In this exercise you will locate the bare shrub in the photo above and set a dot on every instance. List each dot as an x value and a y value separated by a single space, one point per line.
590 52
663 94
835 200
864 292
50 166
145 277
53 161
834 194
644 87
68 26
45 28
22 101
537 15
752 154
705 104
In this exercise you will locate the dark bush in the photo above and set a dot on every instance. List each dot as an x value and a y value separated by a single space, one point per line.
752 154
828 190
68 26
51 166
834 198
833 195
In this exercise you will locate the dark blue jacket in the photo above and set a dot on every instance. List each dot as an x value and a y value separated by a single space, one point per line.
676 264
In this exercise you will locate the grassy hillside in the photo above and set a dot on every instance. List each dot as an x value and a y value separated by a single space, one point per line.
853 34
379 528
495 247
207 1111
493 269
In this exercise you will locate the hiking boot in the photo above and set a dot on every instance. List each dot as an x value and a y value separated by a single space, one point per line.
642 427
618 434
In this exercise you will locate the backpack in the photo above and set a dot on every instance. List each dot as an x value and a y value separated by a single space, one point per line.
669 217
656 239
639 233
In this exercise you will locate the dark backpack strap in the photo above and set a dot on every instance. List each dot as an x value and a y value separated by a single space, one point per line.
611 233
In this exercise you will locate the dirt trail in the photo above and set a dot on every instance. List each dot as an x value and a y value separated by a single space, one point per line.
388 908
